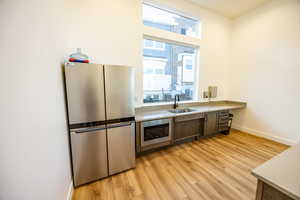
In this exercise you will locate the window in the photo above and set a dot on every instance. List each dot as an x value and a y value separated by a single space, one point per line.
155 45
165 20
168 72
169 60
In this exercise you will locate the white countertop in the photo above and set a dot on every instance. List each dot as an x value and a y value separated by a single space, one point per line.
162 114
282 172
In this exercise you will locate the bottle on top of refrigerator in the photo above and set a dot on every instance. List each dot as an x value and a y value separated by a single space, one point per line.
79 57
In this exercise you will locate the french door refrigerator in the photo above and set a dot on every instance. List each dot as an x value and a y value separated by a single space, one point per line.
100 102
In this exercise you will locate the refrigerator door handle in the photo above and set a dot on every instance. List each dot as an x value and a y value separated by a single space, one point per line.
117 125
84 130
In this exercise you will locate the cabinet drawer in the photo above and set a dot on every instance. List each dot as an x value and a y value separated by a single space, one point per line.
223 129
223 126
223 120
223 115
223 123
224 112
189 117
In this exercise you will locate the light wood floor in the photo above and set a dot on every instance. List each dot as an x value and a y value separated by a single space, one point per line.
217 168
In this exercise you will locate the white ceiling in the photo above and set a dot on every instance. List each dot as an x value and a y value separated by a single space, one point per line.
230 8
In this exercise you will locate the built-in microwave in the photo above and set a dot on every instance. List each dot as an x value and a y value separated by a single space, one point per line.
155 131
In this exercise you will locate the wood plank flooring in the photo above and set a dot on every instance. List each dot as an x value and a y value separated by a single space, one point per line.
217 168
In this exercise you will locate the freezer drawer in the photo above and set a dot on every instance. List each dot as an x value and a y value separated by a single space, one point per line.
121 147
119 89
89 155
85 92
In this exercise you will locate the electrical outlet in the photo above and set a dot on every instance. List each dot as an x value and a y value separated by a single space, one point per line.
205 94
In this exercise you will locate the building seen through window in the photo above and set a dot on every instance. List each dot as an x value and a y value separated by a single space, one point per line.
169 72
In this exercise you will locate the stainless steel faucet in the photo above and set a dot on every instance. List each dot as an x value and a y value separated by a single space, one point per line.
176 100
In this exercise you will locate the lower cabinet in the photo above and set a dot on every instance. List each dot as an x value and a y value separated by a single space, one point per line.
192 125
211 123
187 127
138 137
267 192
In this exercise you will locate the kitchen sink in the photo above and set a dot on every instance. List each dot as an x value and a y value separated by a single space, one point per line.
181 110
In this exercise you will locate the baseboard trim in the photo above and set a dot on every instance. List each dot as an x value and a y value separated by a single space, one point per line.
70 191
264 135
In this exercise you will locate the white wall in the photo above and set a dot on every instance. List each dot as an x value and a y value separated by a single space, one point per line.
34 155
110 31
265 70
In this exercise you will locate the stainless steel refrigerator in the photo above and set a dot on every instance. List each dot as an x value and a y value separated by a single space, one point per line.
100 102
